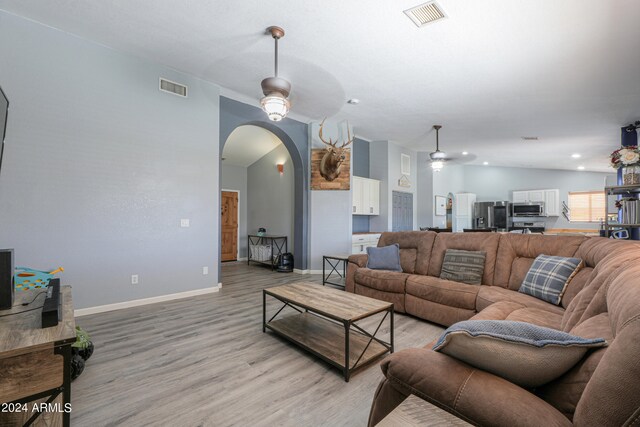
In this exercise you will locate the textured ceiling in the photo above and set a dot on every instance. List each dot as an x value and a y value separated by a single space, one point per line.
493 71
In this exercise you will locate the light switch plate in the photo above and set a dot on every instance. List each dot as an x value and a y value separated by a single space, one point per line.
184 222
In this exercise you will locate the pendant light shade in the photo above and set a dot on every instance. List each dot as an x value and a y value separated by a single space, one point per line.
275 89
276 106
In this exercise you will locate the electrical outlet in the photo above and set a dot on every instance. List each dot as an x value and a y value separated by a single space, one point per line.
184 222
134 279
205 270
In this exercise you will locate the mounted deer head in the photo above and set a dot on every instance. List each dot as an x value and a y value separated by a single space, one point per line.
333 156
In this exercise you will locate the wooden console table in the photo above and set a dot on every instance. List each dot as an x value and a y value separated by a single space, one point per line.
36 363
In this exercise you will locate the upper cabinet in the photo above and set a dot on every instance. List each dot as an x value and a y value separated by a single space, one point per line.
552 202
366 196
550 198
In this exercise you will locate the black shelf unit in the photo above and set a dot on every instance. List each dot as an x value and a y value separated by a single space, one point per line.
278 246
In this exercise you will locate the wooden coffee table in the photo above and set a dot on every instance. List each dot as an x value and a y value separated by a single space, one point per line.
325 323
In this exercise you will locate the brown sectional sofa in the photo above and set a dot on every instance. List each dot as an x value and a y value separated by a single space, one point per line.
601 301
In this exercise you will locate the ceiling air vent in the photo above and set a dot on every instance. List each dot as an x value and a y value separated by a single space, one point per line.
529 138
173 87
425 13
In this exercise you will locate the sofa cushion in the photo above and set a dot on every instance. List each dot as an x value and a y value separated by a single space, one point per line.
516 253
474 395
415 248
488 295
487 242
382 280
397 299
384 258
548 277
446 292
525 354
564 393
463 266
536 316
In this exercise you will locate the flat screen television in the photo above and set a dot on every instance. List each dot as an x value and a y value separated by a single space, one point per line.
4 110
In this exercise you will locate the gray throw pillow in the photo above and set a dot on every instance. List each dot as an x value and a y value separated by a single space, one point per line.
384 258
549 276
523 353
463 266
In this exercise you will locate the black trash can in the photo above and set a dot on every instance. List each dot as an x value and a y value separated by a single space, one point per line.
285 263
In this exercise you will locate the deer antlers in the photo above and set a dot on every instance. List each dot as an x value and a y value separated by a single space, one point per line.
334 144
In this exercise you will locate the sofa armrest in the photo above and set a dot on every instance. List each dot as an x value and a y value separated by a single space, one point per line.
355 262
469 393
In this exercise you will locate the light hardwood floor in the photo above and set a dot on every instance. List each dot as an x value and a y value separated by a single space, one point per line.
204 361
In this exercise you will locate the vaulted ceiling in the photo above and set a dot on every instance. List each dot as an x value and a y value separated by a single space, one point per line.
492 72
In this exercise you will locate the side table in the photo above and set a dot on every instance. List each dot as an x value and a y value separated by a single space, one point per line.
336 265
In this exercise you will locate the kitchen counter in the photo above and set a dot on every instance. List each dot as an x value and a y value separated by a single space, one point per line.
368 232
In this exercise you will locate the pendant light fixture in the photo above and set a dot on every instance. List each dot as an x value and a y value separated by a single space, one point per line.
276 90
437 157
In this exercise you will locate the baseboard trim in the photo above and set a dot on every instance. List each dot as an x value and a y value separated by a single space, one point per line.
297 270
144 301
242 259
314 271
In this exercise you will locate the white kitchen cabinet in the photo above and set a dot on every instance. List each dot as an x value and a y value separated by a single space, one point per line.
357 195
520 196
463 211
550 198
360 242
366 196
552 202
536 195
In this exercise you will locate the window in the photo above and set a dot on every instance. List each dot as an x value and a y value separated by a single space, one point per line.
587 206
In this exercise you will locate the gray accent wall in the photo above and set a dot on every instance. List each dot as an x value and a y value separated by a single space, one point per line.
235 178
100 167
360 156
270 196
295 136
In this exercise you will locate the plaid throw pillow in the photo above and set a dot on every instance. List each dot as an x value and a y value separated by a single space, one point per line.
549 276
463 266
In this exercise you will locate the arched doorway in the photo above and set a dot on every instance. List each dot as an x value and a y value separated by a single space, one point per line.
257 190
294 136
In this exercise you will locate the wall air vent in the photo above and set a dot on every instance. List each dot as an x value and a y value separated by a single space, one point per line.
173 87
425 13
529 138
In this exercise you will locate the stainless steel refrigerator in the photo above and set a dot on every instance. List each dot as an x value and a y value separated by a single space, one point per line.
491 215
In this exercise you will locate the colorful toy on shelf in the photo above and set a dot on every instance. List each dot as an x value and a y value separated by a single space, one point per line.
28 278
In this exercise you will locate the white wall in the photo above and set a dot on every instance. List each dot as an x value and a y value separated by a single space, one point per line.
100 167
498 183
330 223
491 183
235 178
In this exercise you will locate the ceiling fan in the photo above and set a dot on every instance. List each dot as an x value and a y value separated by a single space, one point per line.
438 158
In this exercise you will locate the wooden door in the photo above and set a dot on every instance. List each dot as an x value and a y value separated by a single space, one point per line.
229 221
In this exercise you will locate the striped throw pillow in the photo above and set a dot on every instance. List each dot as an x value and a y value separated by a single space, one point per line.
549 276
463 266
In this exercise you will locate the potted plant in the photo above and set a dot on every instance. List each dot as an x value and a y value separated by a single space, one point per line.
627 158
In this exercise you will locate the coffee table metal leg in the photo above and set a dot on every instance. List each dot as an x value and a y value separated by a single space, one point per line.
346 351
264 311
391 320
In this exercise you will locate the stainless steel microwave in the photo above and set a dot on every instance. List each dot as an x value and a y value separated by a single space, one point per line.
527 209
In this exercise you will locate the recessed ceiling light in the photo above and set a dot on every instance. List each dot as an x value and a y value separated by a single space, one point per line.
576 155
485 163
580 168
353 101
529 138
464 153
